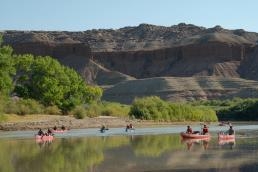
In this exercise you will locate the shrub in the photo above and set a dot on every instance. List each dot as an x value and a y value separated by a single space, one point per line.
53 110
114 109
93 110
23 107
153 108
79 112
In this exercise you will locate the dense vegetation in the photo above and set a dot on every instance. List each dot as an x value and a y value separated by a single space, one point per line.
246 110
46 80
153 108
43 79
234 109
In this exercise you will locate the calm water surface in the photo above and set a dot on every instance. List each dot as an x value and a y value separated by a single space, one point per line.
145 149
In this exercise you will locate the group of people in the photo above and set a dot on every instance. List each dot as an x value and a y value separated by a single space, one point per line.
103 128
62 127
205 130
129 127
47 133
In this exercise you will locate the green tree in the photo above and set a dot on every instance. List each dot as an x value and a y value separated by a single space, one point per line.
46 80
7 69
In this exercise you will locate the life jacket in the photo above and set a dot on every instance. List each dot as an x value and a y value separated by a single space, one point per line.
189 130
205 130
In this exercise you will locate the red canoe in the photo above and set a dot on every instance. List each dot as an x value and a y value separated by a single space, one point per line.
59 131
195 136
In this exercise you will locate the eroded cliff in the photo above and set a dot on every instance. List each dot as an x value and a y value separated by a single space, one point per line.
113 57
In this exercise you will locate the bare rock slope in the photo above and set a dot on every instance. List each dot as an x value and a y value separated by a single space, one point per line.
125 61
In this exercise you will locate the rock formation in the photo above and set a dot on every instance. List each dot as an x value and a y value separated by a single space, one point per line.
114 58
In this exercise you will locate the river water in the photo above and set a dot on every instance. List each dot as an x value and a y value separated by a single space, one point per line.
158 149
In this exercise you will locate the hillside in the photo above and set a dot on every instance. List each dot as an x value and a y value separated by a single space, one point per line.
182 88
130 60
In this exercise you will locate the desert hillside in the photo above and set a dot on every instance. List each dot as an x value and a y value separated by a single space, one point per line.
182 88
181 62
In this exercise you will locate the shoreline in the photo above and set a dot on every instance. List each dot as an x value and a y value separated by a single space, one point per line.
34 122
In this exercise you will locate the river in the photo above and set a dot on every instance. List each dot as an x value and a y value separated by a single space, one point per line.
154 149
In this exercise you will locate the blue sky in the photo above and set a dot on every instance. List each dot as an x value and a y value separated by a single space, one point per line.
80 15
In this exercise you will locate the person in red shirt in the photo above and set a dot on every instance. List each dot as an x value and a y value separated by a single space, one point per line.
205 130
189 130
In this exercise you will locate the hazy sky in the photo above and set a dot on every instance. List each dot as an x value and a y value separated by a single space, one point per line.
80 15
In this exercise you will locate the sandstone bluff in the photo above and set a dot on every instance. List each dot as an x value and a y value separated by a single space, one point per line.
181 62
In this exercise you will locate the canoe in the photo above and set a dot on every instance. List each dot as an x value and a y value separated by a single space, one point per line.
59 131
44 138
195 136
225 136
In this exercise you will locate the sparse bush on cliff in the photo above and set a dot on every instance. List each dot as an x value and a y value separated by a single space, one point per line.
153 108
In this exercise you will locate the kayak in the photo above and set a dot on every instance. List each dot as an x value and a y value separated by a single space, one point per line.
103 130
195 136
129 129
44 138
225 136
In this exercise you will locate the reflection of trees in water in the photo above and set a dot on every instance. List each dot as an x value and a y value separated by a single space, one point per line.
155 145
67 155
83 154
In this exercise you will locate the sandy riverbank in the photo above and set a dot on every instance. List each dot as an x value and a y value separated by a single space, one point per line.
33 122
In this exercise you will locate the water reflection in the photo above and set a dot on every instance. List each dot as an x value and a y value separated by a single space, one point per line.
60 155
190 143
43 143
155 145
227 143
128 153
